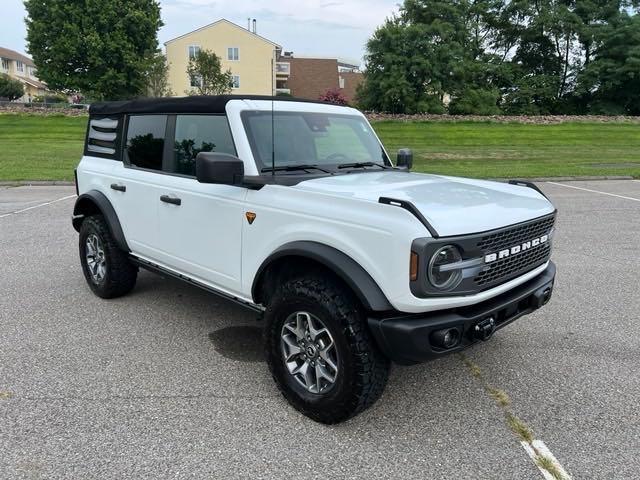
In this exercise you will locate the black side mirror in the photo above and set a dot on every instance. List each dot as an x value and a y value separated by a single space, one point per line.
213 167
404 158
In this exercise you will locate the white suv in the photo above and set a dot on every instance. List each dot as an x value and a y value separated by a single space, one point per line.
294 210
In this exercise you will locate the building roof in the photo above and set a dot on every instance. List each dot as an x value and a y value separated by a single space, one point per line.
230 23
13 55
33 82
169 105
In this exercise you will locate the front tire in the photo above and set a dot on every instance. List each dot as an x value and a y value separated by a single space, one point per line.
106 268
320 352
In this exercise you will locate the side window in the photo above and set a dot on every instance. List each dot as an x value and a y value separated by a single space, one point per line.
145 140
199 133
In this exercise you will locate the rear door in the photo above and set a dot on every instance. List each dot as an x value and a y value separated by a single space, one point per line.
136 183
200 227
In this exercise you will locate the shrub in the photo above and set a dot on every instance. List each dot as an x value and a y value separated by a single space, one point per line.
56 98
333 96
10 88
475 102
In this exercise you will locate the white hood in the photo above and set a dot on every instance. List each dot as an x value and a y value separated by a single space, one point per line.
453 206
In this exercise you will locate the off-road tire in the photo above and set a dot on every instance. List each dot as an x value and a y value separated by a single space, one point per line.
363 369
120 276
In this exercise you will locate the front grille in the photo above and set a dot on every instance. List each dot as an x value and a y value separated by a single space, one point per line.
514 236
514 265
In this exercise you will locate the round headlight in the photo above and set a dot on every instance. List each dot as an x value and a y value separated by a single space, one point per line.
440 276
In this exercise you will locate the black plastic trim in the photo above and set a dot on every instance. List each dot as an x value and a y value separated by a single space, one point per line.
163 271
170 199
524 183
102 203
351 272
411 208
406 338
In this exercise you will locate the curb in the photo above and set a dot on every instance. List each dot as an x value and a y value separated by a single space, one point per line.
36 183
567 179
49 183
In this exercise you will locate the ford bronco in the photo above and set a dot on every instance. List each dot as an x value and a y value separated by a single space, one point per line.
294 210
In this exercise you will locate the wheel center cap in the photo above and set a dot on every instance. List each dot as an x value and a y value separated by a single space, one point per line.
311 351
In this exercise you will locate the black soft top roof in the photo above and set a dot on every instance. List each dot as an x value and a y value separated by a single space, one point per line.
193 104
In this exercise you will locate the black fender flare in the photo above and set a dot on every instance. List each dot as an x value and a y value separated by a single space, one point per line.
347 269
93 200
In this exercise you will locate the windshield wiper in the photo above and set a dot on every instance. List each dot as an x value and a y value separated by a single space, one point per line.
361 165
292 168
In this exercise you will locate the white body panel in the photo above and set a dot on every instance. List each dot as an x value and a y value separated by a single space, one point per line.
208 238
453 206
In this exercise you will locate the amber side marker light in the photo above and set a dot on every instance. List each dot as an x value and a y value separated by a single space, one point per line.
413 267
250 217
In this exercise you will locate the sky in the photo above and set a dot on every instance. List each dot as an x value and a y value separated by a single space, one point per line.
330 28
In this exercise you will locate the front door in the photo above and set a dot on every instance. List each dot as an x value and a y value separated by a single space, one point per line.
200 225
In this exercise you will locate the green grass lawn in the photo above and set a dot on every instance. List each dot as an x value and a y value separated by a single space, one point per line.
48 148
493 150
35 147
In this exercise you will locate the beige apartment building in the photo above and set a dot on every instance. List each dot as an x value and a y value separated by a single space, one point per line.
22 68
250 57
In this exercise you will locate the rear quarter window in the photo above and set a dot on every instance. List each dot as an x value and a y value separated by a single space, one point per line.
104 136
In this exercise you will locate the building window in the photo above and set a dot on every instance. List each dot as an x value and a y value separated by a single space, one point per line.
341 80
233 53
193 51
5 64
32 72
19 66
235 81
283 68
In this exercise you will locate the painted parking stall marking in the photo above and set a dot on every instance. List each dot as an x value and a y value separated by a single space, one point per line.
551 469
37 206
595 191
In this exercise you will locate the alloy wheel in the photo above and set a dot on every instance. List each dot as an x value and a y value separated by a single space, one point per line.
309 352
96 261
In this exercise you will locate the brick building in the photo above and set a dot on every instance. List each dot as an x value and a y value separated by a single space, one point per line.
310 78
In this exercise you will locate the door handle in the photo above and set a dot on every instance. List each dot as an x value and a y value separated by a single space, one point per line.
172 200
120 188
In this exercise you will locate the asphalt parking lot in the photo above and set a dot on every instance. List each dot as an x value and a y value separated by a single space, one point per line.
169 381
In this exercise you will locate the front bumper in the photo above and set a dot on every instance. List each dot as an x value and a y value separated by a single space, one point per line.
408 339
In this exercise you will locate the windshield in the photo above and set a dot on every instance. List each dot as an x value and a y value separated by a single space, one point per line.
311 139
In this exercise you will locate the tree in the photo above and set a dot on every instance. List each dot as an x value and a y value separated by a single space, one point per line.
530 57
333 96
157 76
100 48
432 49
406 72
10 88
611 80
207 77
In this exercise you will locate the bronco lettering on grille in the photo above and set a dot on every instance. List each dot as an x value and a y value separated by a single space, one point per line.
492 257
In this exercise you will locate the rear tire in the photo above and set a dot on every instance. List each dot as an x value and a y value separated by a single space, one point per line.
317 322
106 268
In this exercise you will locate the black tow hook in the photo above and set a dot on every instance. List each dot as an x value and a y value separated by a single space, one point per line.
484 329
